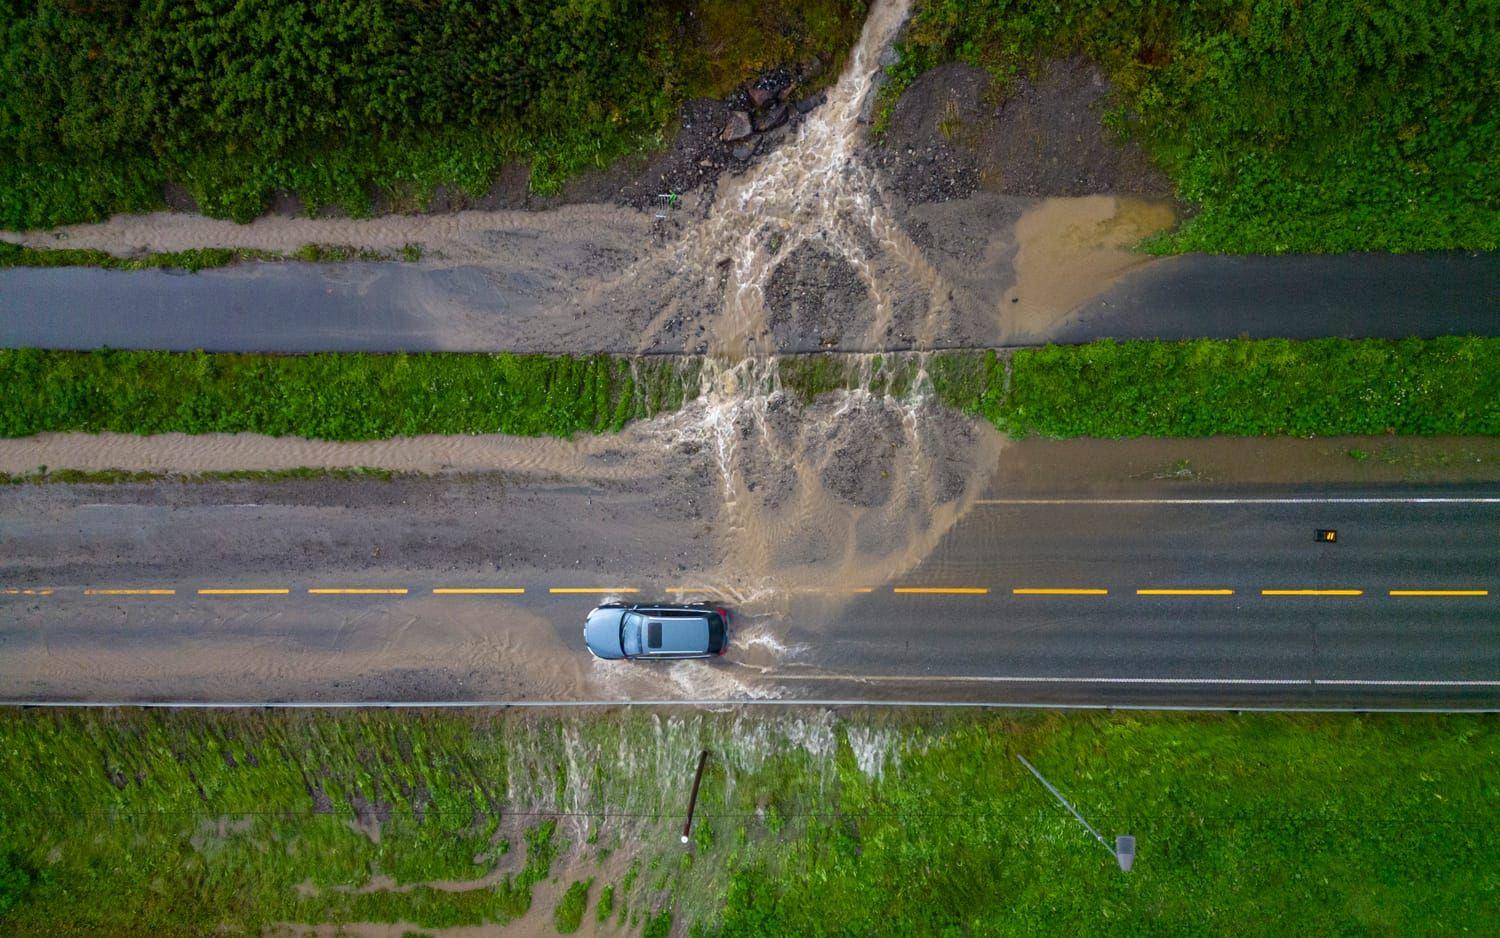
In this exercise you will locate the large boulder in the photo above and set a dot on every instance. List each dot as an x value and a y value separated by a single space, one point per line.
771 119
737 128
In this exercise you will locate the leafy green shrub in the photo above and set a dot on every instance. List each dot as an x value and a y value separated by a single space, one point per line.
567 916
101 104
15 882
1332 126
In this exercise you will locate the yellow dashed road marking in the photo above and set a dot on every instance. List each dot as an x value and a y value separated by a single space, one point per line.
478 591
21 592
400 591
1187 592
1312 592
130 592
593 589
943 590
1058 591
243 592
1440 592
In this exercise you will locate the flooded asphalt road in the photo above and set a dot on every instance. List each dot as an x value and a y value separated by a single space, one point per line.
232 592
388 307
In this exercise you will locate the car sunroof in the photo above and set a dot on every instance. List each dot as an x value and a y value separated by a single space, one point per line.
653 634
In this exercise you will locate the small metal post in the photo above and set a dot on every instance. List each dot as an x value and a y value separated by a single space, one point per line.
1124 848
687 829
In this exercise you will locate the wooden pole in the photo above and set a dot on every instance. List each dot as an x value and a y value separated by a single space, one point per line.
687 829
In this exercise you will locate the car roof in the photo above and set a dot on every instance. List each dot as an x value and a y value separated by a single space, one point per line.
679 631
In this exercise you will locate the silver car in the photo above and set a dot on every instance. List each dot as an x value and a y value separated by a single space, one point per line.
627 630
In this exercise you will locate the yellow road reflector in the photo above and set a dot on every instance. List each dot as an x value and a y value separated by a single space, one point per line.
1312 592
359 591
130 592
1440 592
943 590
243 592
1058 591
593 589
478 590
1187 592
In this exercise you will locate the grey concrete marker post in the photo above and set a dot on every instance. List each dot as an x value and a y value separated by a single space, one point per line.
1124 848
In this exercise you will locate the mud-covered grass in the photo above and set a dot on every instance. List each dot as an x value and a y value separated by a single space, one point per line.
1323 387
193 260
808 823
1332 126
45 476
359 104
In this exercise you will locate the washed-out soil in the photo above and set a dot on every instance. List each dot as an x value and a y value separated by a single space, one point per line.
954 132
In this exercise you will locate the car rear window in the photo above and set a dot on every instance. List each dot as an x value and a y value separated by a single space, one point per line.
653 634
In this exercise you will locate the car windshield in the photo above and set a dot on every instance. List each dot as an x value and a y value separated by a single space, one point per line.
630 633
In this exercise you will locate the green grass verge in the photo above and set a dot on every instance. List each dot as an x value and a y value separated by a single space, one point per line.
332 396
1324 387
101 105
1333 126
901 823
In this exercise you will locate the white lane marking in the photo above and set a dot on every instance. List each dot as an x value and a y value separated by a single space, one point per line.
1373 500
1059 679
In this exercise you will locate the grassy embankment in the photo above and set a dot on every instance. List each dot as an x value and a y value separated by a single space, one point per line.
808 824
361 101
1331 126
1105 389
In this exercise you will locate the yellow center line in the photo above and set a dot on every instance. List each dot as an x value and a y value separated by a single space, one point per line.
943 590
243 592
593 589
20 592
130 592
1440 592
478 590
1187 592
834 589
359 591
1312 592
1058 591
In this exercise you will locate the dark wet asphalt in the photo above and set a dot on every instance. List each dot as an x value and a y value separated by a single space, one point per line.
294 307
1298 297
1116 648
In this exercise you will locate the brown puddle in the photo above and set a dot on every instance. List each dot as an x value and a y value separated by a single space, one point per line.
1070 250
